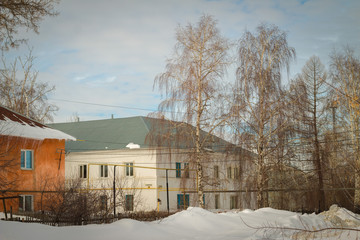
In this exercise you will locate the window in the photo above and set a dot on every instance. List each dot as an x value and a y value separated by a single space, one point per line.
216 171
129 170
233 202
83 171
186 167
26 203
217 201
229 175
103 202
178 170
129 203
183 201
104 171
236 173
27 157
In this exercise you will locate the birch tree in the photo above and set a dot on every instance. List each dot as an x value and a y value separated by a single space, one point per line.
261 58
192 83
346 78
21 91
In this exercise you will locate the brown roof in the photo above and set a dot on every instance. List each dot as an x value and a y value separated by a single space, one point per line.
16 117
15 124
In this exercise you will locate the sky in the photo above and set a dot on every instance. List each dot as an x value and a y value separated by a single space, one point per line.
103 56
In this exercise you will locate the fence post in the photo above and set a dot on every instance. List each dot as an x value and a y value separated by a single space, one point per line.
4 208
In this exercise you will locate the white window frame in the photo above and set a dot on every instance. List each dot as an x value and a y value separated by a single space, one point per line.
23 203
129 169
25 158
236 173
229 172
104 171
83 171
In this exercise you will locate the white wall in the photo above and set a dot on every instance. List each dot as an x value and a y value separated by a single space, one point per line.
149 180
142 183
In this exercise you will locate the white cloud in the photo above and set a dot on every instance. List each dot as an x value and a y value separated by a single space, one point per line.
109 52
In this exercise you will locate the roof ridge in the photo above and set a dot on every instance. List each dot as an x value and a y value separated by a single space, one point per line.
143 121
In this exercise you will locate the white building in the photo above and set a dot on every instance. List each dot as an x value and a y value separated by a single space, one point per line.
149 177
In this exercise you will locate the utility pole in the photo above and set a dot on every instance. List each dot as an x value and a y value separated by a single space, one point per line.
114 188
167 191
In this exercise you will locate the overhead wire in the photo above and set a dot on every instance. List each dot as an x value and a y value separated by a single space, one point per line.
102 105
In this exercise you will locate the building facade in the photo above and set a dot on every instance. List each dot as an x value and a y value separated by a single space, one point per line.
32 162
114 158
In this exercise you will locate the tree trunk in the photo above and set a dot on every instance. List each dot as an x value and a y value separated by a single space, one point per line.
198 147
357 172
357 192
260 183
317 148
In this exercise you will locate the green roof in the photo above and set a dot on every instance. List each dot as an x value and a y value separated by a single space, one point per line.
104 134
111 134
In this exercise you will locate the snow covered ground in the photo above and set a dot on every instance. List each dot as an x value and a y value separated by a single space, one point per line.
196 223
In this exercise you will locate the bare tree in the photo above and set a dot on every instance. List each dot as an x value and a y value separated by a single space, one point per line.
74 117
128 193
346 79
261 58
314 92
21 91
71 203
8 173
192 85
17 14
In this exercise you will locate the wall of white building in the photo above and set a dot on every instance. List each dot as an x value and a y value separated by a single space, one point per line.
148 182
141 181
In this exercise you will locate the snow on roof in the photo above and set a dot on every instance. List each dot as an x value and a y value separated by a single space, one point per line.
133 145
14 124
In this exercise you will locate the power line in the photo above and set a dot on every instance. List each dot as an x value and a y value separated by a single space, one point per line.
113 106
103 105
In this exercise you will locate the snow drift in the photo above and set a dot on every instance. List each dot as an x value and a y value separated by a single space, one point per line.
196 223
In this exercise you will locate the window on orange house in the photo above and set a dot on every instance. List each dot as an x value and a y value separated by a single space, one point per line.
27 159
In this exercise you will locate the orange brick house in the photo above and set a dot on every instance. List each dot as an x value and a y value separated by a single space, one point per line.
32 162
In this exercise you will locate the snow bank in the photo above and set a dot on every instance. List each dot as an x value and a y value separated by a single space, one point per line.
194 223
341 217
